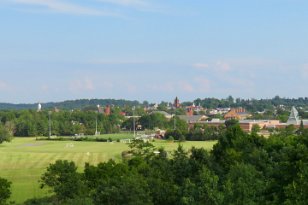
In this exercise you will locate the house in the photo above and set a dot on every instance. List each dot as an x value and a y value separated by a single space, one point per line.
167 115
107 110
237 113
151 107
193 119
100 109
55 109
190 110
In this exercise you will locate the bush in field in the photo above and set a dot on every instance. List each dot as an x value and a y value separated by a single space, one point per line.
5 190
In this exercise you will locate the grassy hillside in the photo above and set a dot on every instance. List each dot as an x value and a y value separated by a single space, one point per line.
24 159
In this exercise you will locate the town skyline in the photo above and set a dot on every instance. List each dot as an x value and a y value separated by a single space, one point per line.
56 50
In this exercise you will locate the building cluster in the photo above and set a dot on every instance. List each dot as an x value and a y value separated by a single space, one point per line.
192 117
106 110
196 114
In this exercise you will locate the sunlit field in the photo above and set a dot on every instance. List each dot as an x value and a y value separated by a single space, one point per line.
24 159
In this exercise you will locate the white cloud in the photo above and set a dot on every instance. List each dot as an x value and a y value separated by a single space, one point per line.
71 7
45 88
81 85
219 66
163 87
117 62
187 87
181 86
64 7
130 3
304 70
131 88
203 84
223 66
201 66
141 5
4 86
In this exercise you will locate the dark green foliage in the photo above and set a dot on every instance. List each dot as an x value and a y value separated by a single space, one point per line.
204 133
64 180
139 148
244 185
5 134
175 134
5 190
65 123
230 123
242 169
252 105
155 120
297 191
130 189
72 104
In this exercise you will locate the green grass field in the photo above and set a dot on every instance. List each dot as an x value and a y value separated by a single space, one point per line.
24 159
115 136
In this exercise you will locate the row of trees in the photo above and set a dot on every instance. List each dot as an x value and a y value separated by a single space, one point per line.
68 123
252 105
241 169
73 104
64 123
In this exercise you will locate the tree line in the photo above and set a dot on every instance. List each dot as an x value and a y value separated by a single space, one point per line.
65 123
72 104
252 105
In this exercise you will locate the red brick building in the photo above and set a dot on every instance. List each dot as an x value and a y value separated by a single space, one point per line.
237 113
176 103
107 110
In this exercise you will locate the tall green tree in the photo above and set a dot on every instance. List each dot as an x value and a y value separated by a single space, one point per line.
244 185
5 134
64 181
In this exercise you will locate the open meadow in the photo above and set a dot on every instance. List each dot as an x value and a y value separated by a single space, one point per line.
23 160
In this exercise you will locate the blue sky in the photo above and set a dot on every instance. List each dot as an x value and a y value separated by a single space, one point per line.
54 50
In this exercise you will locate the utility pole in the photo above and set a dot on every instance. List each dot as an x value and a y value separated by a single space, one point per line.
134 123
96 126
49 123
96 114
174 119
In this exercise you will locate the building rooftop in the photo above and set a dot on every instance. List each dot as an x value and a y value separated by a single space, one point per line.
294 117
167 115
193 118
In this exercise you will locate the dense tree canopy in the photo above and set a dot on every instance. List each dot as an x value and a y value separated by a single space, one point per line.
241 169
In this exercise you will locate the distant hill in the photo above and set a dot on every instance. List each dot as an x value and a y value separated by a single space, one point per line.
70 104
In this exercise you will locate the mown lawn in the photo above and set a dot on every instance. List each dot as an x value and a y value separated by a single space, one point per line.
24 159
